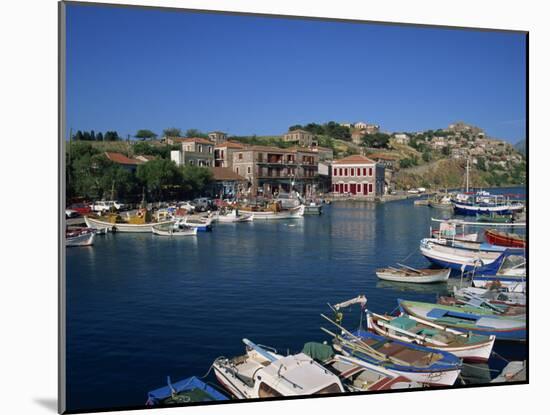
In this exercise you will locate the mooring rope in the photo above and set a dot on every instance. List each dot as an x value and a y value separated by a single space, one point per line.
499 356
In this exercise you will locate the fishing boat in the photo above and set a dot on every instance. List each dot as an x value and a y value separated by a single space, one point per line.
450 254
466 319
486 204
417 363
141 222
515 371
263 373
313 208
174 230
495 296
508 271
234 216
441 202
274 211
79 237
356 377
477 302
200 223
448 230
493 218
188 390
469 347
413 275
496 237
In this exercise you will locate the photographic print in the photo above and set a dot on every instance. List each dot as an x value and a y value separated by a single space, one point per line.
275 207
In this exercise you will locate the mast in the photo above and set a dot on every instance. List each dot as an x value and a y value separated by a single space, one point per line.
467 174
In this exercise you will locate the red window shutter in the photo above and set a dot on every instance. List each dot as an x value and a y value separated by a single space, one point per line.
370 171
370 187
364 171
352 171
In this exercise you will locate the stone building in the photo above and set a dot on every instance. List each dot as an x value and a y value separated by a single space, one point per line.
271 169
194 152
358 176
217 137
223 153
302 137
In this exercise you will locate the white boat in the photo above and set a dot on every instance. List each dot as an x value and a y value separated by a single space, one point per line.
174 230
515 371
262 373
469 347
95 223
79 237
313 208
494 296
459 258
201 223
448 230
233 217
409 274
294 213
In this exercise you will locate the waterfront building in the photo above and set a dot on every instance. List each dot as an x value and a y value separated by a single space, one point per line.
223 153
217 137
358 176
227 184
270 170
301 137
194 151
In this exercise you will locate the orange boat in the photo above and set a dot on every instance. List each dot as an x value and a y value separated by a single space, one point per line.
505 239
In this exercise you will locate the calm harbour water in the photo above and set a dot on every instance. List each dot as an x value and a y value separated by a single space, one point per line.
141 307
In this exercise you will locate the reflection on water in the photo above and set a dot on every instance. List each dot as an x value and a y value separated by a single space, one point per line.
141 307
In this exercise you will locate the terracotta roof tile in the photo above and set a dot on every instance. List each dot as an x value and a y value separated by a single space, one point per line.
355 159
120 158
225 173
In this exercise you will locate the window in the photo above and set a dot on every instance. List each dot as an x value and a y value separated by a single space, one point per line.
240 156
364 171
191 162
335 172
370 187
346 188
340 172
248 170
237 170
352 171
210 149
345 172
370 171
199 148
358 188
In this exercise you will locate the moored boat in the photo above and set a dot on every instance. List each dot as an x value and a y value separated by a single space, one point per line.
313 208
174 230
188 390
417 363
357 377
234 216
273 212
413 275
468 319
515 371
495 295
79 237
141 222
200 223
263 373
469 347
451 255
496 237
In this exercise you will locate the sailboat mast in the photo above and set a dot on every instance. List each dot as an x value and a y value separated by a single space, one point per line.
467 175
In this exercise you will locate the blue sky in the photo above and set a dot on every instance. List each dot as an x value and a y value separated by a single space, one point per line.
143 68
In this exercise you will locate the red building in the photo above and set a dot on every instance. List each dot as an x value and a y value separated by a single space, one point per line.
357 176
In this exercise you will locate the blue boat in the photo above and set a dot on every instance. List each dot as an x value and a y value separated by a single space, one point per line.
417 363
469 319
185 391
484 203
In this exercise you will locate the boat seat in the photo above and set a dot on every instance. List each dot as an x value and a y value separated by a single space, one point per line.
391 349
403 323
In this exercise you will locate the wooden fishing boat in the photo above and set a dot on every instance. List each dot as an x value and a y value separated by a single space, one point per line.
174 230
505 239
263 373
274 211
469 347
233 216
417 363
493 296
357 377
188 390
451 255
141 222
508 271
313 208
494 218
469 319
479 303
200 223
79 237
409 274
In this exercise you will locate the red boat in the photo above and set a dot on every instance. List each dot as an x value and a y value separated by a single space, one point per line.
505 239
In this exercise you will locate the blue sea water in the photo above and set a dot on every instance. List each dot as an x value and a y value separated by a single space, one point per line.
141 307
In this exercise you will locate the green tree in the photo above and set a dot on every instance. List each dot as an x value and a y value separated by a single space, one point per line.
111 136
193 132
145 135
158 176
427 156
172 132
195 180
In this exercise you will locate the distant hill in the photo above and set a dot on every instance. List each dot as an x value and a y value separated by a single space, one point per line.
521 146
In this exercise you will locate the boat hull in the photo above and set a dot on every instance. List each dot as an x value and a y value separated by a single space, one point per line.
457 258
295 213
421 279
84 239
175 233
472 210
123 227
502 239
